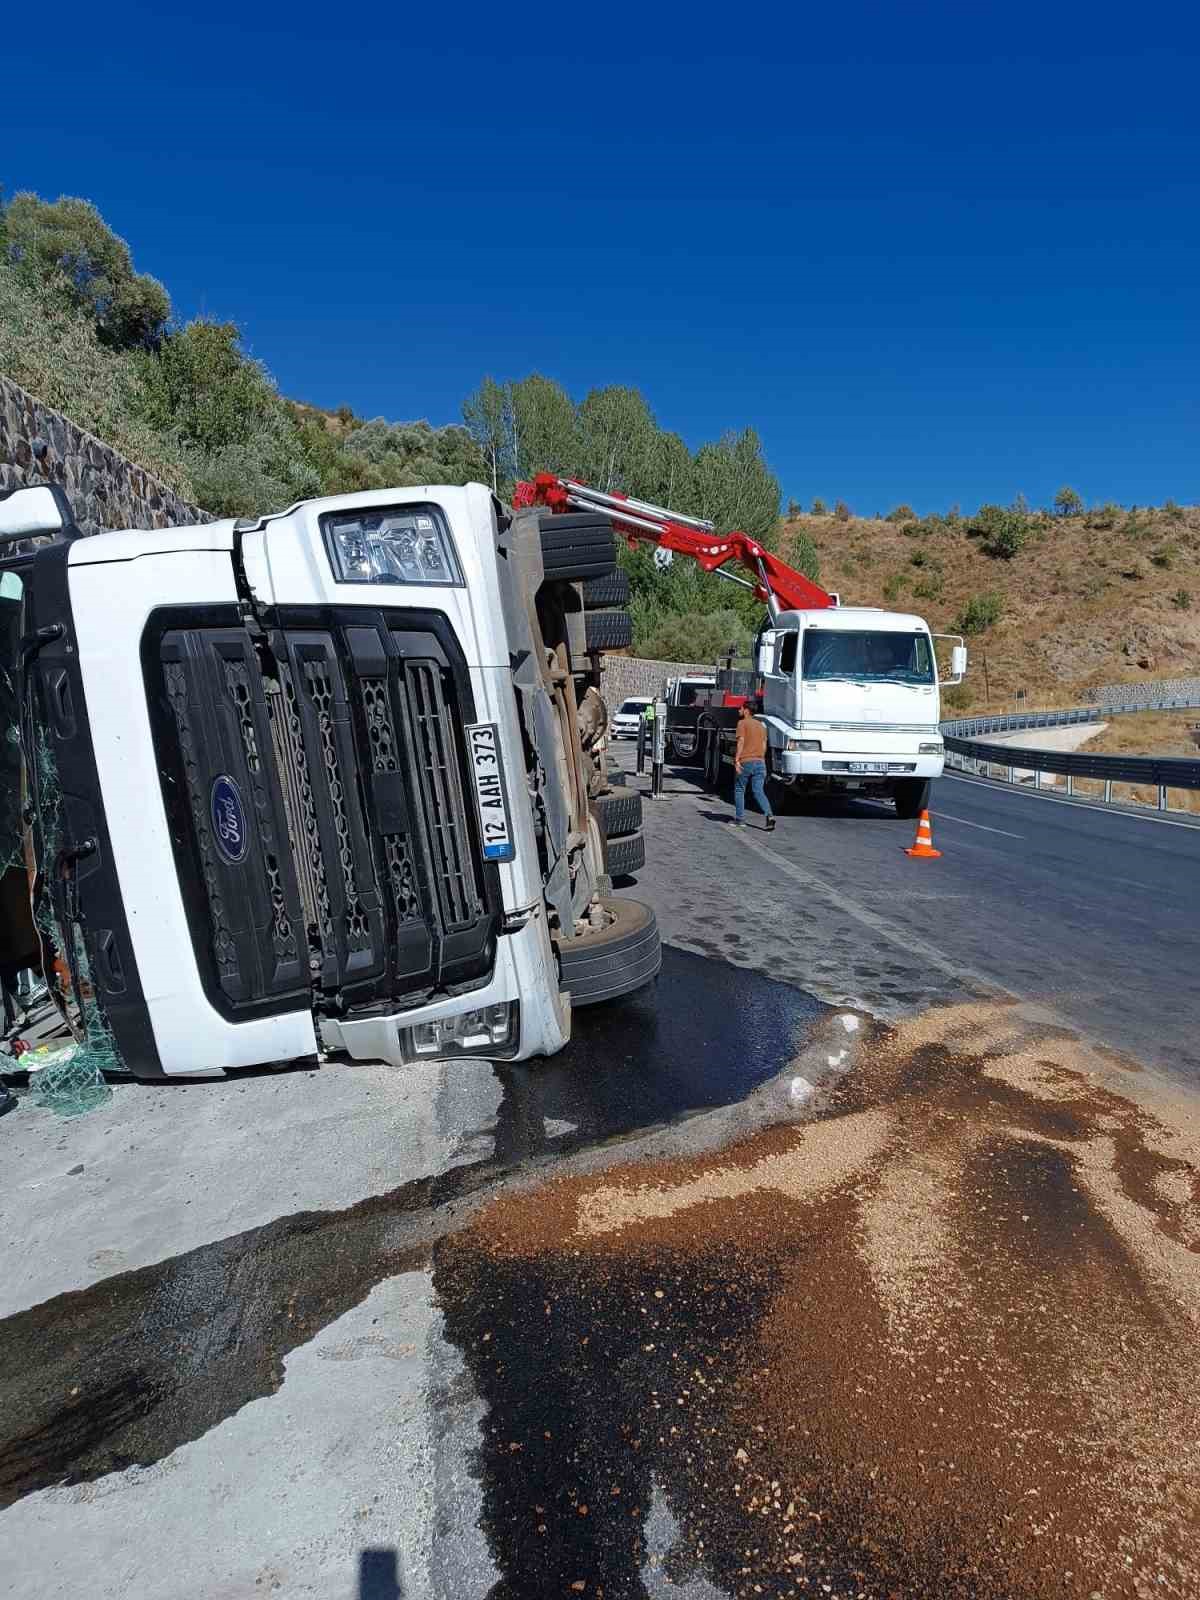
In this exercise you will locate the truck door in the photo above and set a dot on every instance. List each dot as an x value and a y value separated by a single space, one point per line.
779 647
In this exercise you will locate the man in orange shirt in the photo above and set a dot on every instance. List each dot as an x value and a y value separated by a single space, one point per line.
750 765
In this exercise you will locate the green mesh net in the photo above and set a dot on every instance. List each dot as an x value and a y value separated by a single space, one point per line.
68 1077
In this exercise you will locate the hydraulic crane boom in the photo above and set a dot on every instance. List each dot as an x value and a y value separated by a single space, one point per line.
778 586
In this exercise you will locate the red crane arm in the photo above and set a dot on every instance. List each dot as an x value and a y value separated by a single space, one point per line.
774 581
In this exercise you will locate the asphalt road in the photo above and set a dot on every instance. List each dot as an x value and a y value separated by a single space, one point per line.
1092 912
328 1332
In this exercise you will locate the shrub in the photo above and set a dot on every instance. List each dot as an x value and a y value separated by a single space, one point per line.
1181 600
981 612
895 586
1173 510
1164 557
842 511
793 510
900 514
692 636
1004 532
802 554
819 508
1105 516
1067 503
956 698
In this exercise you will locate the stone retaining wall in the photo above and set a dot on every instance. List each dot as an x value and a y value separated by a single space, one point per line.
627 676
38 445
1144 694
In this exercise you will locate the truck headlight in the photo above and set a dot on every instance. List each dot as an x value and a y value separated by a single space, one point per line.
488 1031
401 544
802 744
929 749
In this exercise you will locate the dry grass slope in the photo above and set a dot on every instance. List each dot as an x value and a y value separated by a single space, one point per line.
1107 597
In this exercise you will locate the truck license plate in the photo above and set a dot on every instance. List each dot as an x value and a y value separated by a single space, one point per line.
867 766
495 829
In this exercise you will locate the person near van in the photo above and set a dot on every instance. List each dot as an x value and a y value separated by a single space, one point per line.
750 767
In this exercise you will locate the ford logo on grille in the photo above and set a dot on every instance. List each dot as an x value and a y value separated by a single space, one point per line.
228 819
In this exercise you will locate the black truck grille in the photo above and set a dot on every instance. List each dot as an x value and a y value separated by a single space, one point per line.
360 873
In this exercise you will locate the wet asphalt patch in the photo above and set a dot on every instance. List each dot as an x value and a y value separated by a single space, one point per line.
126 1371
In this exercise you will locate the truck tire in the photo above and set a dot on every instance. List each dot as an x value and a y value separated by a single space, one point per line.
610 591
618 812
615 961
712 760
912 796
577 545
608 630
626 856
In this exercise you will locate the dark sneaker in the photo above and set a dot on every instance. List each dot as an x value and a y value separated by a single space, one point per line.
770 824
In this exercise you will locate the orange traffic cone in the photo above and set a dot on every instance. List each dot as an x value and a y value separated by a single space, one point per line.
922 846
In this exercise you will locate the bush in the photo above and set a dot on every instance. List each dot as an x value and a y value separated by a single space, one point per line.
1004 531
842 511
981 612
1105 516
793 510
819 508
1067 503
900 514
1181 600
692 636
1164 557
957 697
1173 510
895 586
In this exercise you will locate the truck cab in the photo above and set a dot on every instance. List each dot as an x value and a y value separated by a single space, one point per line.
850 696
313 783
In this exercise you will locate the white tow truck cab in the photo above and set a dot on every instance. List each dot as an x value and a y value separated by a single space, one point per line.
313 783
850 697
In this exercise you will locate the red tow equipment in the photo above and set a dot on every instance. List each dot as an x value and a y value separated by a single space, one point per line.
778 586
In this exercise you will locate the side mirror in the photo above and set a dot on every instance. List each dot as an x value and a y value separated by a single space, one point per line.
34 512
958 661
765 655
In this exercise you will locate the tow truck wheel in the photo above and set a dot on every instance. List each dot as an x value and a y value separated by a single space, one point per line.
712 760
912 796
614 960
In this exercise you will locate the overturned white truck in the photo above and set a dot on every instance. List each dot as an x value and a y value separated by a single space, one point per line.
326 781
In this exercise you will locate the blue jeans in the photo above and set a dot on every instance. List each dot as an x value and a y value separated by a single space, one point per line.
753 773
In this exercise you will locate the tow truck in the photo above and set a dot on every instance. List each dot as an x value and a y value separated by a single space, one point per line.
849 694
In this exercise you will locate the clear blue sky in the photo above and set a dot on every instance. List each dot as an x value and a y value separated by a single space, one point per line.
933 252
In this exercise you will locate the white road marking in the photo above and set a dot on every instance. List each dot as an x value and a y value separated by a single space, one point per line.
1061 800
982 826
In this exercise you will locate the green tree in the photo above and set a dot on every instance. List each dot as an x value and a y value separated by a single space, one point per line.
1067 503
842 511
617 440
802 554
544 433
69 252
735 487
487 413
819 508
694 636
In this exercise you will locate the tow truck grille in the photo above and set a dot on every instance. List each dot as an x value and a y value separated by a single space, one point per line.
360 877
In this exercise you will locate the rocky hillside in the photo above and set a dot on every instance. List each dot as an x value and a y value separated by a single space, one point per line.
1052 604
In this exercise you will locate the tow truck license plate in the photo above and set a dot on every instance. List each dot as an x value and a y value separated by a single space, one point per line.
495 830
866 766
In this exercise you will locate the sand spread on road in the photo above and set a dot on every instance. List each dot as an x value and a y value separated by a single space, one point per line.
972 1368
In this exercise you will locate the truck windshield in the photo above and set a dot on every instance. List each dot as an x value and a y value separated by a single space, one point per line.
867 657
689 693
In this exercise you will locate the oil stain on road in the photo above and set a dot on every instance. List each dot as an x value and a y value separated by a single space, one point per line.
941 1342
128 1370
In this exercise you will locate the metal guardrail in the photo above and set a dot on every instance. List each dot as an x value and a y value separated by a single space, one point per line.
1159 773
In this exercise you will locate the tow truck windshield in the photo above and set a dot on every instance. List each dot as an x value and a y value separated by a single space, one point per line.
867 657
